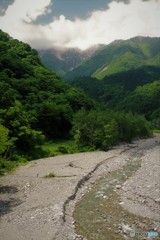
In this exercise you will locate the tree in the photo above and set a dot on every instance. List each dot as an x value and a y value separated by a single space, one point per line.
4 139
6 144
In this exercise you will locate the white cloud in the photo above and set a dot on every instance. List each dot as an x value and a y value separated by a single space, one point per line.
18 18
120 21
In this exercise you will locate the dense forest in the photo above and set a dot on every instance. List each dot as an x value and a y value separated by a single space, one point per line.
37 106
136 91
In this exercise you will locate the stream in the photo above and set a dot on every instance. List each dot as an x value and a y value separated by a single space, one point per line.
100 215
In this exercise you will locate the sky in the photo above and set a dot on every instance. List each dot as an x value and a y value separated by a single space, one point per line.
78 23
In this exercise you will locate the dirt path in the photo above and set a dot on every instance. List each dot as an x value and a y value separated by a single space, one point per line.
38 208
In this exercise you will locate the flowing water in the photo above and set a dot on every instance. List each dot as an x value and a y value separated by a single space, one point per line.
100 215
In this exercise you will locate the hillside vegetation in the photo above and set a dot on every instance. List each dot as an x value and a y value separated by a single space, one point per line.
63 60
119 56
130 79
135 91
37 106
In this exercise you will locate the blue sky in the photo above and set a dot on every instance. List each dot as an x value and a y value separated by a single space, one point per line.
78 23
69 8
72 9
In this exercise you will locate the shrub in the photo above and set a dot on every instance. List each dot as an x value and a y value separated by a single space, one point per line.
62 149
50 175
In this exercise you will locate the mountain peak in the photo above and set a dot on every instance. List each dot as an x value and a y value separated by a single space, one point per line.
62 60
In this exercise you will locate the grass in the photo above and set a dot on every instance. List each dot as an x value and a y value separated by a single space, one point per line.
10 166
59 147
50 175
156 131
52 148
63 147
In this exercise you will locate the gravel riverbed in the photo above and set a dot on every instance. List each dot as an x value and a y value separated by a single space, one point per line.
36 208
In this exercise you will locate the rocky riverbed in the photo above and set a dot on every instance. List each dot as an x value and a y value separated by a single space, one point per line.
39 208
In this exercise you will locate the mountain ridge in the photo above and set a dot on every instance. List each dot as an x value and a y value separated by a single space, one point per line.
119 56
62 60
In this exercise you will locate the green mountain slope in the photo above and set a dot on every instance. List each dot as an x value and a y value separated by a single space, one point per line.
119 56
61 60
34 102
115 91
126 81
144 99
36 105
52 62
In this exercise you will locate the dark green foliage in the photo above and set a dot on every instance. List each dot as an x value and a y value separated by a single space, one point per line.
130 79
134 91
4 143
62 149
105 129
36 105
145 99
34 102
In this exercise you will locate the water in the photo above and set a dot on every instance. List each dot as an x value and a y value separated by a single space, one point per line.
100 214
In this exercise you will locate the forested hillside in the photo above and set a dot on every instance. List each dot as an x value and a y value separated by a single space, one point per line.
119 56
34 103
136 91
63 60
36 106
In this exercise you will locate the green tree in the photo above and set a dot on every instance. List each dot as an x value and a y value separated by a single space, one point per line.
6 145
4 139
111 135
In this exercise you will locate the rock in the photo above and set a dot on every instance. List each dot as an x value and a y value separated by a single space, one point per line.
118 186
119 227
157 200
132 234
103 216
127 229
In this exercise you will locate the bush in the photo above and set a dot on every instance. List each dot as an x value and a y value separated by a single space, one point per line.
105 129
62 149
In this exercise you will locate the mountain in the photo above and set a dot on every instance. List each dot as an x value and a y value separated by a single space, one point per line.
36 106
119 56
34 102
144 99
135 91
63 60
105 91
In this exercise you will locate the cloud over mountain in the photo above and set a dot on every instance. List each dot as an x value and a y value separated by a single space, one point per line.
118 21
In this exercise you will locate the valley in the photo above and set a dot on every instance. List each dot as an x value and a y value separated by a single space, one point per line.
38 107
35 207
79 120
